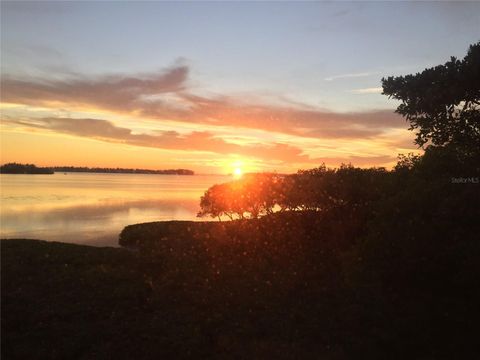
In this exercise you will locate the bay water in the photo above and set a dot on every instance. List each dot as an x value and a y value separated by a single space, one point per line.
92 208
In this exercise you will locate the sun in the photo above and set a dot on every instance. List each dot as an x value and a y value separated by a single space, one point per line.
237 172
237 168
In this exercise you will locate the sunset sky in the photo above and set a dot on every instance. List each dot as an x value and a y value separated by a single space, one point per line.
213 86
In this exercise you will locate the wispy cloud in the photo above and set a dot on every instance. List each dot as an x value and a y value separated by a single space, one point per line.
104 130
230 111
165 95
375 160
110 92
203 141
348 76
372 90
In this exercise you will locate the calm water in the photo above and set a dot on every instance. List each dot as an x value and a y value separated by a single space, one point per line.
93 208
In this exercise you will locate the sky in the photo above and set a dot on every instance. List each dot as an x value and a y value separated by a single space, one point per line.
215 86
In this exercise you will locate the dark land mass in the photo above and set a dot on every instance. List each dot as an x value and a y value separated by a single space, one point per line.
122 170
292 285
14 168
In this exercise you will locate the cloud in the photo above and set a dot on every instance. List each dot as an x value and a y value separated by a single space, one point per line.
165 95
109 92
349 76
372 160
341 13
293 120
373 90
104 130
170 140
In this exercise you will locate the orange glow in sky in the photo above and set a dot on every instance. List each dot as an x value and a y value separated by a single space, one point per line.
284 98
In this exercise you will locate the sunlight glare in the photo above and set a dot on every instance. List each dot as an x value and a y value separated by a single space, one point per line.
237 172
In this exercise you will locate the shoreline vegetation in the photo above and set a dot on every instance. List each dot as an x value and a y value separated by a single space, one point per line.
15 168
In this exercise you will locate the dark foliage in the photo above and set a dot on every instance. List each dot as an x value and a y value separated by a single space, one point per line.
442 102
318 189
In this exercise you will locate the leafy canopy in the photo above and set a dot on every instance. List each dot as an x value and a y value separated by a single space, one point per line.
443 102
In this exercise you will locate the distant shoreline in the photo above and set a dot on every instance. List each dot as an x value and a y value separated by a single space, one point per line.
122 170
15 168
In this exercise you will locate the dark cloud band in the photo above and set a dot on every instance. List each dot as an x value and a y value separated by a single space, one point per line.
165 95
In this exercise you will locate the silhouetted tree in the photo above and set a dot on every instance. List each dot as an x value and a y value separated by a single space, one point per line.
213 202
318 189
251 196
442 102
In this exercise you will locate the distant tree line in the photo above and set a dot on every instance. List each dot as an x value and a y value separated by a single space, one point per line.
14 168
122 170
